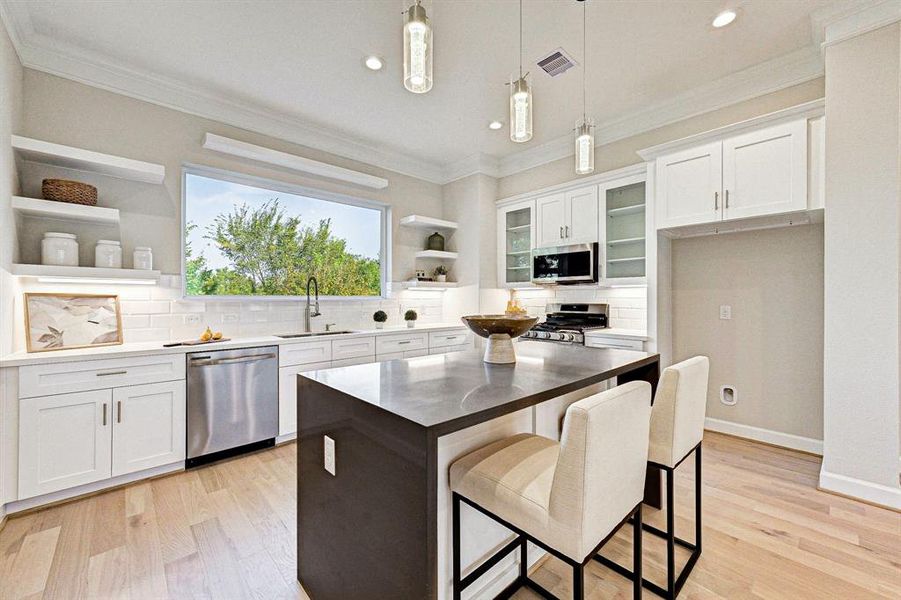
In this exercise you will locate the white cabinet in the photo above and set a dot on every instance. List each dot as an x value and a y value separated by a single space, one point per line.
765 171
79 376
64 441
550 220
148 426
401 342
757 173
515 240
287 394
689 185
305 352
567 218
623 229
439 339
363 347
446 349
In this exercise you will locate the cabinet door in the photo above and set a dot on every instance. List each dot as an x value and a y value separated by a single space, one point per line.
765 172
581 226
515 240
623 231
64 441
689 186
550 221
148 426
287 395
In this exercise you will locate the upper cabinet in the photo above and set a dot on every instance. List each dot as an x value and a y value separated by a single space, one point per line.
567 218
623 229
762 172
516 238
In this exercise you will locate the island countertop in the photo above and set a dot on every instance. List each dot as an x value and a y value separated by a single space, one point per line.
448 392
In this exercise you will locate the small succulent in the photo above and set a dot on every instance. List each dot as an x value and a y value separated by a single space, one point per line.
380 316
410 315
440 270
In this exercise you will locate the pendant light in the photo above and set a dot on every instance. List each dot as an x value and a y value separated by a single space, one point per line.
417 50
520 99
584 138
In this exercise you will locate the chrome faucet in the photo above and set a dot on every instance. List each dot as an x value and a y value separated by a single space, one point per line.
308 313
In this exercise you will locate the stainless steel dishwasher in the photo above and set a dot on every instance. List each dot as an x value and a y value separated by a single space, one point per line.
232 402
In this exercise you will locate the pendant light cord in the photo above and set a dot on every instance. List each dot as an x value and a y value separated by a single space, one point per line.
520 39
584 57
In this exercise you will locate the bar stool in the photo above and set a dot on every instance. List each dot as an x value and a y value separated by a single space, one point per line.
677 430
568 497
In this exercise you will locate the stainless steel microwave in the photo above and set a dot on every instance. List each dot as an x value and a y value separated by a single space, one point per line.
577 263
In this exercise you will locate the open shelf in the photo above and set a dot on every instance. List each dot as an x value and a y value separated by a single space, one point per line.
626 210
518 252
429 223
437 254
625 260
624 241
519 227
29 149
85 274
49 209
516 268
425 285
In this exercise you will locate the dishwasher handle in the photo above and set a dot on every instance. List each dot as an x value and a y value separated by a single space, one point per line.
205 361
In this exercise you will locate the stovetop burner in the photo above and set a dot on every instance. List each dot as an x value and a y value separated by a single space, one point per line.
567 322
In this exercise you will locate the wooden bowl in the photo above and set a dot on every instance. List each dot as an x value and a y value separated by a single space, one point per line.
486 325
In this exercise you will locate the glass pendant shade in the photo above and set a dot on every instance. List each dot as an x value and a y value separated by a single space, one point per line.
520 110
417 50
584 148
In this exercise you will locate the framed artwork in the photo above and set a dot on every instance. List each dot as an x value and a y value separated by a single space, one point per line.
66 321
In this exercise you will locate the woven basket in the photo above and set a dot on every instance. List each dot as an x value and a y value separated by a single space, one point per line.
74 192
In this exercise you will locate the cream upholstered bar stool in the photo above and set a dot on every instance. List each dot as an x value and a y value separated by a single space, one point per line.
568 497
677 431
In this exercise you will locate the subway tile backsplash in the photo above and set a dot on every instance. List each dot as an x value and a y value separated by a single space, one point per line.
628 306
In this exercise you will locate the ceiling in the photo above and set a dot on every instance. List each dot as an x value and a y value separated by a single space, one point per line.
296 67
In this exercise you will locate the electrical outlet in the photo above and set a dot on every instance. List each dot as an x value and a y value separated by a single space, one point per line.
329 447
230 318
192 319
725 312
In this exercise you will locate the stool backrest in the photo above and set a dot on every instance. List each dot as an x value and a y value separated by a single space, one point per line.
680 405
601 467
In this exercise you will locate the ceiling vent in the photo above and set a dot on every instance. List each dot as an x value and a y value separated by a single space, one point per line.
556 62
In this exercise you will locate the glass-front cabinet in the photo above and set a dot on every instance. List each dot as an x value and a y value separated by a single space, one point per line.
516 237
623 209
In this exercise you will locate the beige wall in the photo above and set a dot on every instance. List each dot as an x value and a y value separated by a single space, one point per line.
624 152
863 219
772 348
63 111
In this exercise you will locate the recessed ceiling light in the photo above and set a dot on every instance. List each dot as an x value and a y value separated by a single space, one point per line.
373 63
495 125
724 18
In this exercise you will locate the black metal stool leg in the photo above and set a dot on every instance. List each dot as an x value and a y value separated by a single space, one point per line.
456 544
524 559
698 499
670 535
578 582
636 555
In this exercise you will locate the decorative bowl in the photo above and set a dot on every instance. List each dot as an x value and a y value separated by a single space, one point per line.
499 330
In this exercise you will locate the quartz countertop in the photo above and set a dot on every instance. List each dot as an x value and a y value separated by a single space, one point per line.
20 359
443 390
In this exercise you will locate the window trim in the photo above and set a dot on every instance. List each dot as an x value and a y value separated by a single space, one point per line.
287 188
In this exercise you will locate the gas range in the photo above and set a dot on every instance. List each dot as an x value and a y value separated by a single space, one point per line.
566 323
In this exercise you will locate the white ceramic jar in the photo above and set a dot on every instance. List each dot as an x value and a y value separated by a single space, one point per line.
143 258
59 249
108 254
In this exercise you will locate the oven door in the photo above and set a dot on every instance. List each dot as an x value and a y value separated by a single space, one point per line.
565 264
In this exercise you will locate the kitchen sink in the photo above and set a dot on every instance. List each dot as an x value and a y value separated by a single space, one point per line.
312 334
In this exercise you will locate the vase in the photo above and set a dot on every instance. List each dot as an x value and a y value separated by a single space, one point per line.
441 278
411 324
379 325
436 242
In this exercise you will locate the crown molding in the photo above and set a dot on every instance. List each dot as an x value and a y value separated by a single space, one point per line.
771 76
851 18
471 165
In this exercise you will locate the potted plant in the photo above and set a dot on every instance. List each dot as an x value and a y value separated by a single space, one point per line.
410 317
440 273
379 317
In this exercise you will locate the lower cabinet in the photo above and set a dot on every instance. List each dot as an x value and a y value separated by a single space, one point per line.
446 349
287 394
67 440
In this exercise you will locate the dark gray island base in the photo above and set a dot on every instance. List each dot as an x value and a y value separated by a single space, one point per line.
372 529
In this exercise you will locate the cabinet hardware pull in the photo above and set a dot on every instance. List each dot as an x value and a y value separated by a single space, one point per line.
104 414
405 342
111 373
118 411
450 337
567 231
716 200
561 232
727 198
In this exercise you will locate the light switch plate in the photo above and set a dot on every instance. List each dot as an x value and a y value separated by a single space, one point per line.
192 319
725 312
329 447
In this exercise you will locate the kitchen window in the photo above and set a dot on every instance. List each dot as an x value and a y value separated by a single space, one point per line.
251 237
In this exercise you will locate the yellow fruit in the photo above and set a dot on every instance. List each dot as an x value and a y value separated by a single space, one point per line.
217 335
207 335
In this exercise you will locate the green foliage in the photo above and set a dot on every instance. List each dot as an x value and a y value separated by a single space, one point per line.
274 255
380 316
440 270
410 315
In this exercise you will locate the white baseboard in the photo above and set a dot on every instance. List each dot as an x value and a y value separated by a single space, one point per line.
776 438
874 493
288 437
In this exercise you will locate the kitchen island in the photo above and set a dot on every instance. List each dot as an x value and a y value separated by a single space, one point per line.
378 525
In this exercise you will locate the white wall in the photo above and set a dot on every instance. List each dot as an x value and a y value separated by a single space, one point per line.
862 249
771 349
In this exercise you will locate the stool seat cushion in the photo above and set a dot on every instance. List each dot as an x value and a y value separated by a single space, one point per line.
511 478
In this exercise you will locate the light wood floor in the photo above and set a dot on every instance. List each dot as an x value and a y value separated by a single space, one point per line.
228 532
